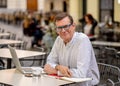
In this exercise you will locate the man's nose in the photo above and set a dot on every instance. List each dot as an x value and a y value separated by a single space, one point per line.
63 30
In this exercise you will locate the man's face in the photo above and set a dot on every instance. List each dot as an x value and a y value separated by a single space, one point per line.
65 29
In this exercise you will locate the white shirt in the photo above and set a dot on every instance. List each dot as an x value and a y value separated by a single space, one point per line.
87 29
78 55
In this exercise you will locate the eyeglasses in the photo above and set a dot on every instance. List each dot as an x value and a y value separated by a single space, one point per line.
65 27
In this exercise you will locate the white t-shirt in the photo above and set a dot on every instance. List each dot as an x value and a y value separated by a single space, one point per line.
87 29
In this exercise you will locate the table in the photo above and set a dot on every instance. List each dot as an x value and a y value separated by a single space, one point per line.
4 34
105 43
7 42
5 54
15 78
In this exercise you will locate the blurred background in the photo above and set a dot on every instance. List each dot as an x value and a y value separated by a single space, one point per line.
39 15
32 22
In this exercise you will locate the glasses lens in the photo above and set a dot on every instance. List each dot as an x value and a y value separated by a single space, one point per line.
65 27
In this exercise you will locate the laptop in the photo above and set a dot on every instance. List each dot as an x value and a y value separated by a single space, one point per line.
24 70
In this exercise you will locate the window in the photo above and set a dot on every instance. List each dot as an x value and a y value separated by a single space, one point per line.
106 8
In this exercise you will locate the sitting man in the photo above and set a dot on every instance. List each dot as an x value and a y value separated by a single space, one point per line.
72 53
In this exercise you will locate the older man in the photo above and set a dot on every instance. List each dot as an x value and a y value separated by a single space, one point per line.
72 54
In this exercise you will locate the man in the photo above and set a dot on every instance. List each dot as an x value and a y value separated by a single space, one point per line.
72 54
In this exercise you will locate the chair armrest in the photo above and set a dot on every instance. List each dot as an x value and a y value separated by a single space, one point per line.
110 82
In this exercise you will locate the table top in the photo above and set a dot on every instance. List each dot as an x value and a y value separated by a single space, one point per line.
4 34
105 43
5 53
15 78
6 41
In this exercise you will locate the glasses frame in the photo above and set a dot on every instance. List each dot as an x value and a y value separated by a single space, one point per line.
65 27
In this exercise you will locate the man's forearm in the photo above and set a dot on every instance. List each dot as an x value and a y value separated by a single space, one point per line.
50 70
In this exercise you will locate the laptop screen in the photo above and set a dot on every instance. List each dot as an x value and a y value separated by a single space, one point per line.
15 58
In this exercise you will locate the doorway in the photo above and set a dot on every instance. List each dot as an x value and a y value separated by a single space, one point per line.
32 5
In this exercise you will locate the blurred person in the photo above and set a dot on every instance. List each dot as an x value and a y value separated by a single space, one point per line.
89 28
28 31
89 24
52 27
48 40
108 22
26 26
38 32
72 54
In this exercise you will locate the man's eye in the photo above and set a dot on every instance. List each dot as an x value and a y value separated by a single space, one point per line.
60 27
65 26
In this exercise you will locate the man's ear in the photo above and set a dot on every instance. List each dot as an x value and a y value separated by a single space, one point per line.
74 25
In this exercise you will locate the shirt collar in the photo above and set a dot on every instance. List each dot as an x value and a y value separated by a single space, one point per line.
72 40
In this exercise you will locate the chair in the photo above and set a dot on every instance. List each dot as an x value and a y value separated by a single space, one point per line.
2 64
109 75
112 57
12 36
100 54
43 58
23 46
107 55
34 61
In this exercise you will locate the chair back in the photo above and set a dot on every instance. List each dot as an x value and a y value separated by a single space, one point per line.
111 55
109 75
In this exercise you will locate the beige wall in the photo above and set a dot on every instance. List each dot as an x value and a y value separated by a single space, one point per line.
22 4
80 12
47 5
93 8
11 4
57 5
75 9
41 5
16 4
116 11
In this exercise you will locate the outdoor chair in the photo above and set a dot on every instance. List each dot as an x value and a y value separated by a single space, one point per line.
112 57
109 75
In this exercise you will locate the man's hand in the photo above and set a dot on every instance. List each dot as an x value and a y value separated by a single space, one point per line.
50 70
64 70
